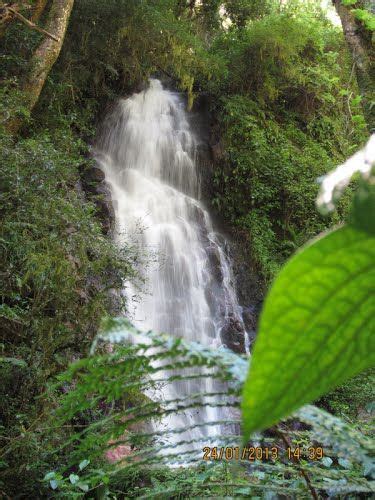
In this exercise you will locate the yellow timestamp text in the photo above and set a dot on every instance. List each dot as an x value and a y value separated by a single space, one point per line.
253 453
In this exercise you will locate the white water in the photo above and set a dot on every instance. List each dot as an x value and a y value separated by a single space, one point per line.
148 154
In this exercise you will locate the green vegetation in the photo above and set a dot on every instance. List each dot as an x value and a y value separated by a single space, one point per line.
57 268
325 291
285 120
354 399
365 16
103 416
285 109
115 381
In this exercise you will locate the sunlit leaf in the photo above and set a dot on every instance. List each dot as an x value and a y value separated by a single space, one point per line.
363 212
316 329
84 464
83 486
73 478
327 461
54 484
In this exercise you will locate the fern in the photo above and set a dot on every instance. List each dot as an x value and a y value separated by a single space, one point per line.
109 400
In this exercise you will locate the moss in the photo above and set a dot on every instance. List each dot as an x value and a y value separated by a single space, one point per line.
285 118
354 400
57 268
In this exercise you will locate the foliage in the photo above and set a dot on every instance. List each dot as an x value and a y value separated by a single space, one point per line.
354 400
104 415
322 297
363 14
346 442
267 187
367 18
141 39
57 269
284 119
286 53
241 11
317 323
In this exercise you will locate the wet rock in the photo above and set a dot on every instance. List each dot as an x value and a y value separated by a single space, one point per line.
218 152
105 208
70 229
233 334
93 176
250 317
97 190
116 303
249 285
215 263
118 453
197 214
211 155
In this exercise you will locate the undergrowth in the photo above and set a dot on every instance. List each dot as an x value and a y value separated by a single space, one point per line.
57 270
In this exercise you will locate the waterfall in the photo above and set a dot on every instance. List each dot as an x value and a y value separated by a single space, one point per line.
148 153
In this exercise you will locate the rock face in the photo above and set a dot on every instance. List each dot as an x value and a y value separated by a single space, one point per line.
98 191
249 286
95 189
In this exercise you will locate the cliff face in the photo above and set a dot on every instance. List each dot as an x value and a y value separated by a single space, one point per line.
97 191
248 283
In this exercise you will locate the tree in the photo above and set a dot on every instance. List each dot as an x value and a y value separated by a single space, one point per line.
241 11
43 59
359 40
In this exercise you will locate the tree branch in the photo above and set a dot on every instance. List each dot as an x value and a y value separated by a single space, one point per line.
303 473
30 24
41 62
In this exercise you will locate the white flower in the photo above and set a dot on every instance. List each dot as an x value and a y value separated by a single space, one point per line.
333 184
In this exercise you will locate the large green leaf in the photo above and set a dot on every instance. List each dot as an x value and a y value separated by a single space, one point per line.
316 328
363 210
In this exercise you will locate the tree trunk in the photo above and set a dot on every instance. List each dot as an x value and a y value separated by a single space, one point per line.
361 47
43 59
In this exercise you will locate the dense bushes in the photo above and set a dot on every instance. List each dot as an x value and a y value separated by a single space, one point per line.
267 186
284 120
123 43
57 269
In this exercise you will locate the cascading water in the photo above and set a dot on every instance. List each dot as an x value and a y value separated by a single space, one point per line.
148 154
